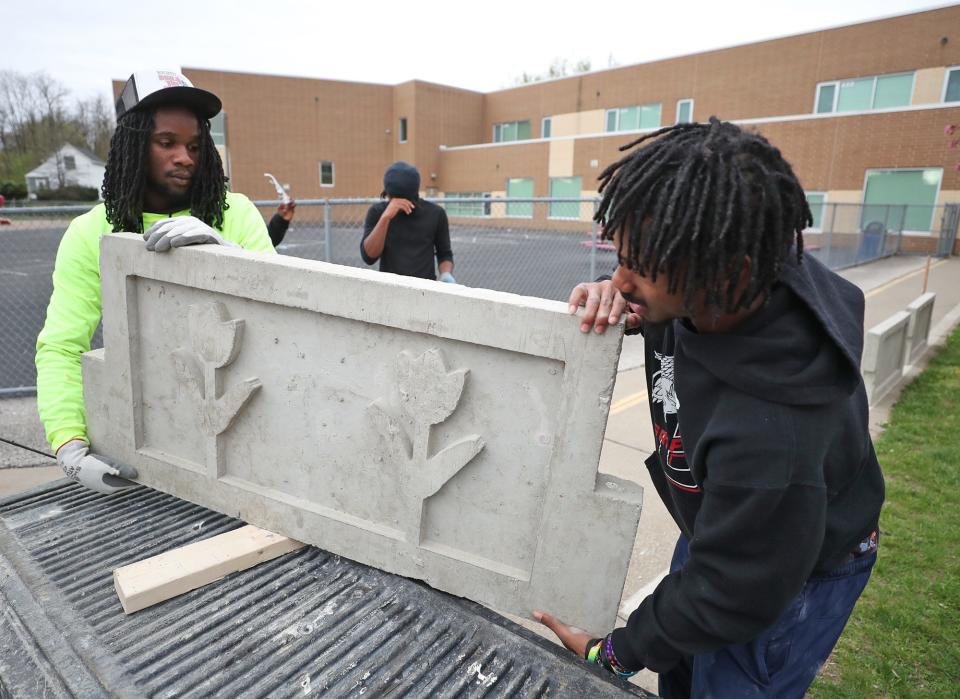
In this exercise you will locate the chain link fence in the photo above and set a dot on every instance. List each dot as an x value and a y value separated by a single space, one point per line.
535 247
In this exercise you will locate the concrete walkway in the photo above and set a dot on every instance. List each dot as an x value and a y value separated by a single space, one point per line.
889 285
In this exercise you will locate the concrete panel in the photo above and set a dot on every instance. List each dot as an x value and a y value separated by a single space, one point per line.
576 123
561 158
928 85
883 352
448 434
918 329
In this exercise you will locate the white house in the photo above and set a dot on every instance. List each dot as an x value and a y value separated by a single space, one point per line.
69 165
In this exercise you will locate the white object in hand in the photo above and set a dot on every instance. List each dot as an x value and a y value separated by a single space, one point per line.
182 230
284 197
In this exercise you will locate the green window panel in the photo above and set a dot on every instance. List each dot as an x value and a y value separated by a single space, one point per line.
901 198
952 93
650 116
815 202
467 208
855 95
520 187
629 119
564 187
511 131
893 91
684 111
611 120
403 129
523 130
218 129
546 127
825 98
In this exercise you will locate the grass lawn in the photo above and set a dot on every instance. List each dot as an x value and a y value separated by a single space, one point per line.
903 639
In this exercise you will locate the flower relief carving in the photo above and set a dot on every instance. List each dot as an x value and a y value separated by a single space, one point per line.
429 394
215 341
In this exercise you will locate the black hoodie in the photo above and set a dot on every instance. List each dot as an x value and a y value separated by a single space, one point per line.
764 460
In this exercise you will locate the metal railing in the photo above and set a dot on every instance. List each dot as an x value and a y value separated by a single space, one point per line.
536 246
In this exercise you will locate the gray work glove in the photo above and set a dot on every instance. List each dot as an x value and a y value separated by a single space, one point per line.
182 230
93 471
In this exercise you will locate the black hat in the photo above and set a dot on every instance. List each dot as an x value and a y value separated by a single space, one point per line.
402 180
148 88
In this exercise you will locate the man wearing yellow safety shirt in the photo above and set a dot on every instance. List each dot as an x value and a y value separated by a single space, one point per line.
164 179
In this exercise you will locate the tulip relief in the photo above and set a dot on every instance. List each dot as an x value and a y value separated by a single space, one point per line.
215 342
428 395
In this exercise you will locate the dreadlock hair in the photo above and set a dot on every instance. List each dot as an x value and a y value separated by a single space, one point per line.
125 179
704 196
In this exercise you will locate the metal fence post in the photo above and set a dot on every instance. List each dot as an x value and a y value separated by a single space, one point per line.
326 230
593 243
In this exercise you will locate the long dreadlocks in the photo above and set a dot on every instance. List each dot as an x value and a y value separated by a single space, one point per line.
704 196
125 178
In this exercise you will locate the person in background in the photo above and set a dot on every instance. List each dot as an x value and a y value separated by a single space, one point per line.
404 232
164 179
280 221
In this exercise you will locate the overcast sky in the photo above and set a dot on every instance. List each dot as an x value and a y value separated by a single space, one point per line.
478 45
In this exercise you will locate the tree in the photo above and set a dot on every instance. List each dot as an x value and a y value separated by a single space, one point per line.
559 68
35 121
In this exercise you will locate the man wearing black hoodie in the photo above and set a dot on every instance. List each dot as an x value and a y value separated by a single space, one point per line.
763 453
406 232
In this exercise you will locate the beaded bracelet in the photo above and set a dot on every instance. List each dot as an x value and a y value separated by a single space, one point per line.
600 651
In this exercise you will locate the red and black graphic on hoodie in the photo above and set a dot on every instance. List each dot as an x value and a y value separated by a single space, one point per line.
665 409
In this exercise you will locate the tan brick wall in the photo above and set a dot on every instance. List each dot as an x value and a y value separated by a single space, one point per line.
770 78
288 125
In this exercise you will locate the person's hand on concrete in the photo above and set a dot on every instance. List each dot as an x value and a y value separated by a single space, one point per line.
182 230
287 209
395 206
602 306
573 638
93 471
447 278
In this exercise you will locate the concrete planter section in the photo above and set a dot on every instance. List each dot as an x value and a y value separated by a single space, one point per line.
439 432
918 329
883 354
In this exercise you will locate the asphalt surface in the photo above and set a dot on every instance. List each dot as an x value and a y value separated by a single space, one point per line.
523 261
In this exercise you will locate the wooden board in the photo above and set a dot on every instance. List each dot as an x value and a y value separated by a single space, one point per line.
152 580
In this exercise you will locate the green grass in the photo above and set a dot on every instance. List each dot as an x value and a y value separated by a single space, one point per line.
903 639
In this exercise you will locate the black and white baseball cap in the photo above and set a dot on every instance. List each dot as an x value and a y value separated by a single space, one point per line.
148 88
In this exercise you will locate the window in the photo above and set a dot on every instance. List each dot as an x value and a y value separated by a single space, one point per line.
469 209
864 94
546 127
218 129
403 129
564 187
816 201
511 131
826 97
35 184
951 85
645 116
684 111
69 162
326 173
901 199
520 187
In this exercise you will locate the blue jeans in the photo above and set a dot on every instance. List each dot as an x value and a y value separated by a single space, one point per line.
784 659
